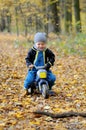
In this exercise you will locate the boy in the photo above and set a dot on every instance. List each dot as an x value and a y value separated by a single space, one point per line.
39 55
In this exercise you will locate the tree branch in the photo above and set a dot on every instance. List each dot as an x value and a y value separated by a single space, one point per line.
61 115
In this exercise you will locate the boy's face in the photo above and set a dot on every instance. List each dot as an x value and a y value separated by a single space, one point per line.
41 45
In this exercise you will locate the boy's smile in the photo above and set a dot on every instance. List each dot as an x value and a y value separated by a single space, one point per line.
41 45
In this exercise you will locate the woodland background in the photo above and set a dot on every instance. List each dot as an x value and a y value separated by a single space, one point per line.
64 21
59 16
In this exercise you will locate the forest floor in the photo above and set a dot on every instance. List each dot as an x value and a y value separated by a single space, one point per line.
16 110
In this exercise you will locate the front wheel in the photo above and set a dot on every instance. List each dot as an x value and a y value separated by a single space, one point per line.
45 91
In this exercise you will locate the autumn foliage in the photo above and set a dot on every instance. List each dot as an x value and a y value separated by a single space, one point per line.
16 111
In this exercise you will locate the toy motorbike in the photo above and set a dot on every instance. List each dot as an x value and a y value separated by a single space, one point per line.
41 83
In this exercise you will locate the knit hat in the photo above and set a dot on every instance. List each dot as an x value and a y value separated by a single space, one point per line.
40 37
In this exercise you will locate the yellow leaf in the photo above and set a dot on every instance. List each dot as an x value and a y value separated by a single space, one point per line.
76 101
69 95
57 109
76 76
14 122
60 127
35 122
19 114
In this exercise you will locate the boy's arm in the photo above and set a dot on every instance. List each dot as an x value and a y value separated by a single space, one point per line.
51 59
29 58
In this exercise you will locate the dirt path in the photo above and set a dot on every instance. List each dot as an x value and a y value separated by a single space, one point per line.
16 111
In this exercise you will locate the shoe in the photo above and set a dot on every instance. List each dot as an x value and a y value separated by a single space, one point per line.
52 93
29 91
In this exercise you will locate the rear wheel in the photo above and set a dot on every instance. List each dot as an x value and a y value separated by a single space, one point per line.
45 91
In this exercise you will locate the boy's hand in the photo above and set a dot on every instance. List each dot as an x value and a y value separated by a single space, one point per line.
31 66
47 66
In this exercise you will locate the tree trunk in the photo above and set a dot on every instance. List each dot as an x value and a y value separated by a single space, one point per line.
45 16
16 13
38 23
77 15
68 15
51 16
8 21
54 7
2 22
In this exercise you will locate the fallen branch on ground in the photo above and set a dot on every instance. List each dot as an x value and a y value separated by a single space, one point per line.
61 115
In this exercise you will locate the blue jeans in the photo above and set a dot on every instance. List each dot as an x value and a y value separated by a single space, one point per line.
31 77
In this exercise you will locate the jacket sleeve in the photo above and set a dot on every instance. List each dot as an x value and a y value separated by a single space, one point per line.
30 57
51 59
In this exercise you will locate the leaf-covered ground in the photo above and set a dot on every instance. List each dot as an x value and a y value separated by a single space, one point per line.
16 111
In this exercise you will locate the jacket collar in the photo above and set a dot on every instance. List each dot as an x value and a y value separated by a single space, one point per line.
34 48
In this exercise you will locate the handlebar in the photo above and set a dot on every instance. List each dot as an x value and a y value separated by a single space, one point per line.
39 67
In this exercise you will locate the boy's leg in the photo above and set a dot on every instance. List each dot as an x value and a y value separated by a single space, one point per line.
30 78
51 79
